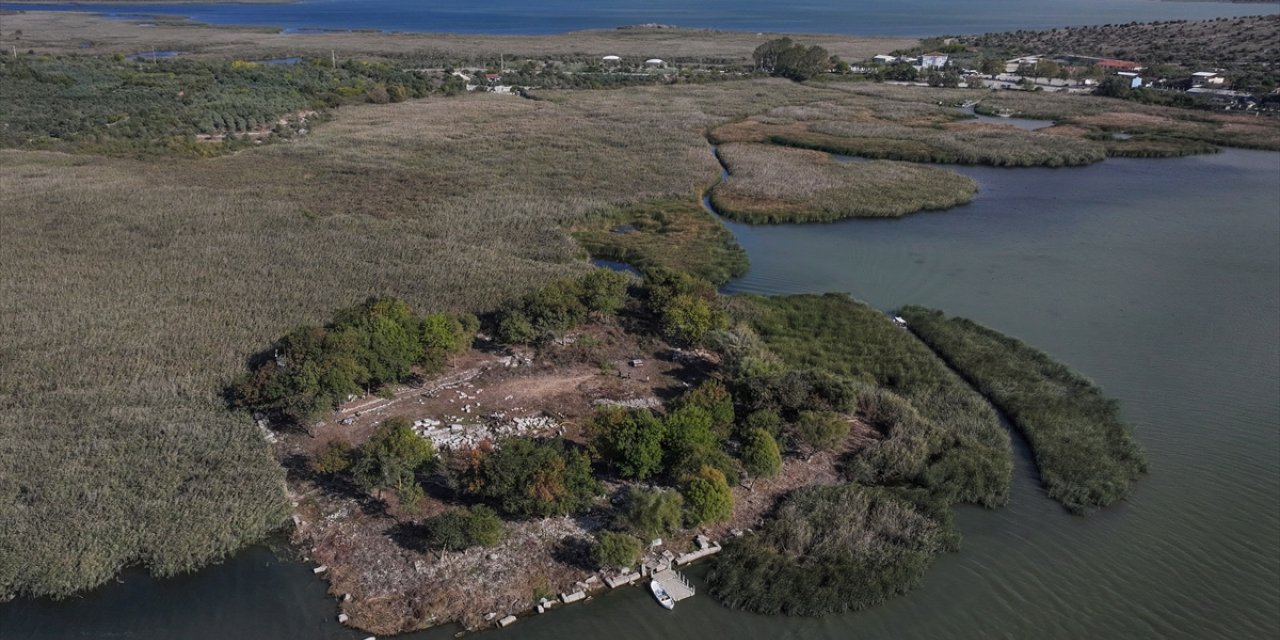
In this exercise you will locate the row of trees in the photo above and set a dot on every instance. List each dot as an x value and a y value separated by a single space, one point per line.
788 59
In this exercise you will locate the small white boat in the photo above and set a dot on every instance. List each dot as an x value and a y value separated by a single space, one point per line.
661 594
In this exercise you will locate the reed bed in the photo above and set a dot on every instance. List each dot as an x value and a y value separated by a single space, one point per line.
935 431
674 234
770 184
1086 454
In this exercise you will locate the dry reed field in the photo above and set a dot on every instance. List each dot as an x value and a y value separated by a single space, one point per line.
131 291
771 184
911 124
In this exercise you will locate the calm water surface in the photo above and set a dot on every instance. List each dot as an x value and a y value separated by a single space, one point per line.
864 17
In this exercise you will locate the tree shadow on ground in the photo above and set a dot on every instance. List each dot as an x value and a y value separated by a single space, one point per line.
575 552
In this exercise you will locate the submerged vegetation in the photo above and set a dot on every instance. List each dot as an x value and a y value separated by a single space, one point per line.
771 184
1086 454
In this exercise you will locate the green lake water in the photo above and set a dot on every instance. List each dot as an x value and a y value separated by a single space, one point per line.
1160 279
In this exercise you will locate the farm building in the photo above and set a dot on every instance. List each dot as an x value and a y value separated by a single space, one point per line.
933 60
1203 78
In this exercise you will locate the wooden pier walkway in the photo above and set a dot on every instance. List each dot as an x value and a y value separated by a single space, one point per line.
676 585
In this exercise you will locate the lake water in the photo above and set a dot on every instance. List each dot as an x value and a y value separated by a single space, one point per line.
863 17
1160 279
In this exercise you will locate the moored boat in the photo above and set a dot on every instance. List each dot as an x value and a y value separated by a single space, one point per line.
661 594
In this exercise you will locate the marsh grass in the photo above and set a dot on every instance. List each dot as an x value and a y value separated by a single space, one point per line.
935 431
132 291
1086 454
672 233
772 184
833 549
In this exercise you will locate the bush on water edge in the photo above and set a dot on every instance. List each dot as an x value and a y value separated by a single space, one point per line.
834 549
1087 455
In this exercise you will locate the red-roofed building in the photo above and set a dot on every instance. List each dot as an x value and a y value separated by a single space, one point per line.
1119 65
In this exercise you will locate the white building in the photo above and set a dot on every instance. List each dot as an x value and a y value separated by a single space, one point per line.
933 60
1203 78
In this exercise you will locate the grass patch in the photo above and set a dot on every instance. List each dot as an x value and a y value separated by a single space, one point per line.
769 184
1086 454
936 432
673 233
833 549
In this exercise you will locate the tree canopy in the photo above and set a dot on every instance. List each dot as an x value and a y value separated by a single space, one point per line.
526 477
788 59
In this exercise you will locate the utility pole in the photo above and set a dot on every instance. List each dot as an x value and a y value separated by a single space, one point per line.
333 58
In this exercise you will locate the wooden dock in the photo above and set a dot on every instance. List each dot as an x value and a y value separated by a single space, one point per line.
676 585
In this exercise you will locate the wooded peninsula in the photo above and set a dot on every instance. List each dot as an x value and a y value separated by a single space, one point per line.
340 287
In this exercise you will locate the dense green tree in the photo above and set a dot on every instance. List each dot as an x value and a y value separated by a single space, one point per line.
714 398
557 307
707 497
604 290
631 441
687 319
690 439
526 477
514 328
651 512
765 420
802 63
333 459
760 455
821 429
442 335
460 529
616 550
392 457
766 55
783 57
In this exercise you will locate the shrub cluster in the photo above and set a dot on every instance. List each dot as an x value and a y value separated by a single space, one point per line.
834 549
560 306
367 346
525 477
458 529
686 308
615 549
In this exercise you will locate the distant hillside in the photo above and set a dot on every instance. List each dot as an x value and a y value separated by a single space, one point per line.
1246 48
